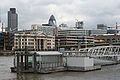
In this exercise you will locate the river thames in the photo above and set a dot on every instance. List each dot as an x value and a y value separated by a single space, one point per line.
106 73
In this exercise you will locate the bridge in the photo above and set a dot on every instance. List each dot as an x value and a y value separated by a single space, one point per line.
85 58
101 51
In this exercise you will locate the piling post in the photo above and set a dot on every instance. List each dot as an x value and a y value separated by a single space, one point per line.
18 67
21 62
34 60
26 58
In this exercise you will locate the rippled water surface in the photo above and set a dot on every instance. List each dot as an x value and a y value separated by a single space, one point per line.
107 73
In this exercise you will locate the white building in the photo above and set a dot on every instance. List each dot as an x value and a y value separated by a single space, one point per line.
35 40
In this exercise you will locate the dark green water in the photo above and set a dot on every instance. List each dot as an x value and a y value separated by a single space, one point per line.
107 73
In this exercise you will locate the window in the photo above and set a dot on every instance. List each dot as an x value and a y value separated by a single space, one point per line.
48 40
16 47
16 39
16 43
49 47
48 43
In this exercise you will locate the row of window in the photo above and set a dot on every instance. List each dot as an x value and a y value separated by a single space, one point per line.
31 43
24 39
29 40
25 43
32 47
24 47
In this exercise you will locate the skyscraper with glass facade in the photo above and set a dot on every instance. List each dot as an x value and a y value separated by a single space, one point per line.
12 20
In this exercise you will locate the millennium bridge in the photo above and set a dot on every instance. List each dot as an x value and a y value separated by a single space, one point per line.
101 51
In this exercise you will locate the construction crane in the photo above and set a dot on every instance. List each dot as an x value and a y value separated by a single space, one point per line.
110 27
116 27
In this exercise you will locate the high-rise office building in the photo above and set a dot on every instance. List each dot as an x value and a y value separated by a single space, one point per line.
79 24
12 20
102 26
52 21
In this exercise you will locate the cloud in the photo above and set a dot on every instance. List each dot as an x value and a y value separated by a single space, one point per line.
92 12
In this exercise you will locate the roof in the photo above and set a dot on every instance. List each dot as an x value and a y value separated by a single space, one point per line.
47 52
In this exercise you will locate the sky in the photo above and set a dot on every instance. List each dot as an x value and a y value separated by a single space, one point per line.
92 12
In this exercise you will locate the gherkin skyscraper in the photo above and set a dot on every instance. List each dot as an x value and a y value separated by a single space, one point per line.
52 21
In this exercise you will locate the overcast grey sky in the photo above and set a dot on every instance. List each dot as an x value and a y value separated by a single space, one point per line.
92 12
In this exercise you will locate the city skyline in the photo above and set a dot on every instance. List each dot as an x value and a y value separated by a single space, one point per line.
92 12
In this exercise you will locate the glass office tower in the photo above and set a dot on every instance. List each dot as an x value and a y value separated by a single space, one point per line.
12 20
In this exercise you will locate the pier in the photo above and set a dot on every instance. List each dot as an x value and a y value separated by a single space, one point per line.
54 61
38 62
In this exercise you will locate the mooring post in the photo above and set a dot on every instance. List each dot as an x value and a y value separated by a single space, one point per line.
34 60
18 63
26 58
26 61
21 62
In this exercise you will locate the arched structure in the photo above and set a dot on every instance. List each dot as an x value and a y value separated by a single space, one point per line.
101 51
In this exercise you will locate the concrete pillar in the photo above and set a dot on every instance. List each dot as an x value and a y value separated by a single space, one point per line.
34 61
26 62
26 57
21 62
18 66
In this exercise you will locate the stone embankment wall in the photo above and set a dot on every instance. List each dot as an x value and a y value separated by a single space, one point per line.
6 53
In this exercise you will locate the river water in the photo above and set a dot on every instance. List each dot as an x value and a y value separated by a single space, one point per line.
106 73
